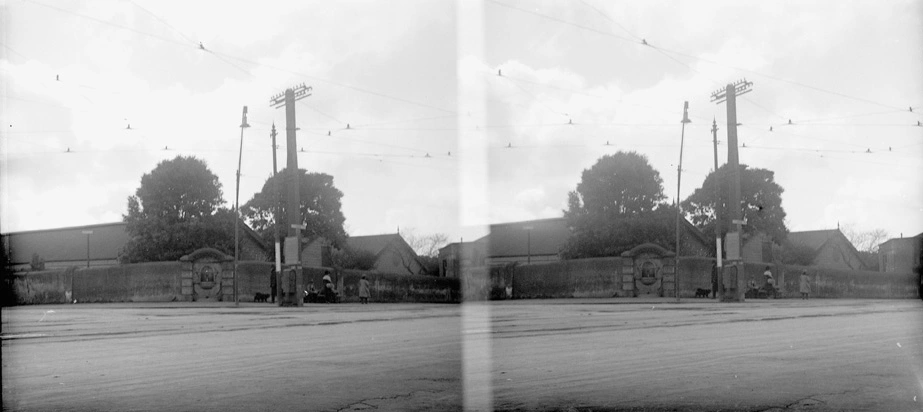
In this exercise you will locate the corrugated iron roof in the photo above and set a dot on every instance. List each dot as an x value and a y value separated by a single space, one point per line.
813 239
372 243
68 244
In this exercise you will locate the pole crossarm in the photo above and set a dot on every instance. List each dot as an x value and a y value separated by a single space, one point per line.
741 86
300 92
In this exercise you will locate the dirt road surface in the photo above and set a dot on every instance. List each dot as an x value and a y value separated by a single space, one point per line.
550 355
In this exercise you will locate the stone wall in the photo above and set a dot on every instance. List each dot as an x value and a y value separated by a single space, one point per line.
163 282
142 282
597 278
612 277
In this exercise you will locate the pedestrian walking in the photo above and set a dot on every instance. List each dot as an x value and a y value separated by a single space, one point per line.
804 285
272 284
363 290
714 280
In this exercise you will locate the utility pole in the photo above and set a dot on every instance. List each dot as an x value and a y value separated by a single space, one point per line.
88 233
718 254
528 230
277 204
679 209
290 278
733 277
240 157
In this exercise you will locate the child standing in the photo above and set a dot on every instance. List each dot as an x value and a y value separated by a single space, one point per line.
805 285
363 290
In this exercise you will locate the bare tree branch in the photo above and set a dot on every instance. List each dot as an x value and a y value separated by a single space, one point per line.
864 241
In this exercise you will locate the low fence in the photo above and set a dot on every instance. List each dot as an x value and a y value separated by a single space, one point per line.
600 277
161 282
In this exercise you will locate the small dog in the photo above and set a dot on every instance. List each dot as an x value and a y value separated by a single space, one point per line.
260 297
702 293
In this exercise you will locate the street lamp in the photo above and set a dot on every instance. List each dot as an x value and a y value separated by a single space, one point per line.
679 207
88 233
528 230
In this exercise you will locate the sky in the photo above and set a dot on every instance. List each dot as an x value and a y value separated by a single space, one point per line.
438 116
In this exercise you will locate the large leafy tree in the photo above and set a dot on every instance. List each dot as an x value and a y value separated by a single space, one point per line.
617 205
760 202
175 211
320 207
618 185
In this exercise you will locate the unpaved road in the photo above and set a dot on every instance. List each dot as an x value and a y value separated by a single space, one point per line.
599 355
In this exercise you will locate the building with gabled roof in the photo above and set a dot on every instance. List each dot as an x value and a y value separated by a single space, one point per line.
392 253
830 249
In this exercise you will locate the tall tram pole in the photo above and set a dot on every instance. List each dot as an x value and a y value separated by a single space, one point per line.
679 209
277 203
733 277
290 285
240 157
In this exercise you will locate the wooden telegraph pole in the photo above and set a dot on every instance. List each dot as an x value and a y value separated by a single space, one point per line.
733 281
290 280
718 252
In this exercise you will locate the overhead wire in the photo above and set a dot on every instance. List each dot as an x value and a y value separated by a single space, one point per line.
699 58
220 57
256 63
580 92
878 145
339 84
852 116
6 46
193 42
485 126
109 23
165 23
644 42
534 97
823 153
419 119
600 12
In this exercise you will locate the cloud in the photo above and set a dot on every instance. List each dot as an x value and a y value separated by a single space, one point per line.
392 69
